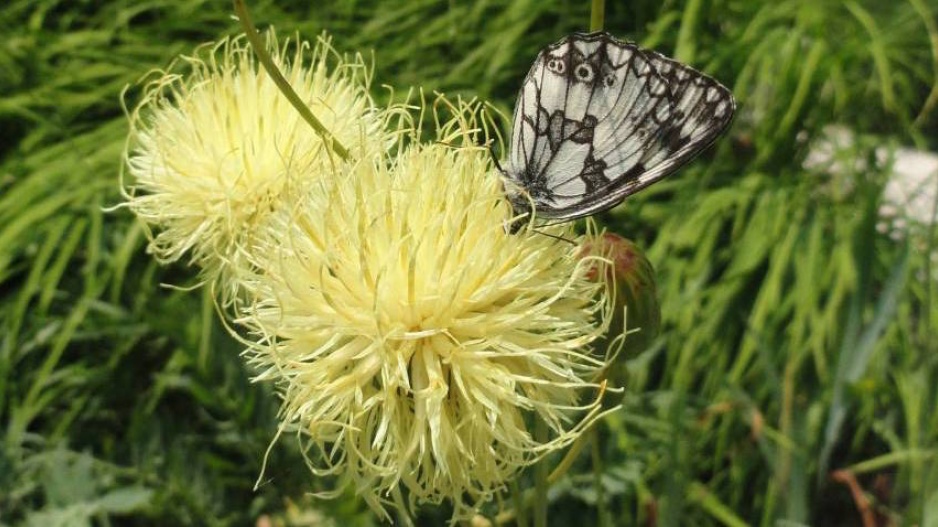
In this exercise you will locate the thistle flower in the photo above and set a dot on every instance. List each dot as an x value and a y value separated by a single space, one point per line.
215 149
414 340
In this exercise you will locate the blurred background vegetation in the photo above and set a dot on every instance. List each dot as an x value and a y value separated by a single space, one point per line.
795 380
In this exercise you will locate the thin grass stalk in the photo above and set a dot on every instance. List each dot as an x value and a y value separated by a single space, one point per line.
597 15
260 50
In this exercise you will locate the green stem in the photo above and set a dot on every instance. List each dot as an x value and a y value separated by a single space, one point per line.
601 509
540 479
261 51
597 15
521 513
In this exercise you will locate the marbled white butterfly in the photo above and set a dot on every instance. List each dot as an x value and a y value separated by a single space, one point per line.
598 119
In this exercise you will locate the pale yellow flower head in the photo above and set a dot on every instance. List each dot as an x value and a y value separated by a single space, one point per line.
215 147
415 341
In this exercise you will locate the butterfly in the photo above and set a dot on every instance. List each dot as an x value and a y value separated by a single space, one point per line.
598 119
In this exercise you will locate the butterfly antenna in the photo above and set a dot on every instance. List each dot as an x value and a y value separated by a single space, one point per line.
554 236
495 160
516 227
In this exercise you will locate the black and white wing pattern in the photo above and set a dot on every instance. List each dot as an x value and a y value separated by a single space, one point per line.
598 119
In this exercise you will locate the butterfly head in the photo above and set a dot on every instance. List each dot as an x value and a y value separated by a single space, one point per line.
522 205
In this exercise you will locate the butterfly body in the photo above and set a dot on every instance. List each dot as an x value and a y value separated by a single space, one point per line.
598 119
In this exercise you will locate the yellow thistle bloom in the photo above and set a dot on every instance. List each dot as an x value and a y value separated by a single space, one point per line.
215 149
415 341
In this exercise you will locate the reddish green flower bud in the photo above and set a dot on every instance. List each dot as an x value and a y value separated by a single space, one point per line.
631 277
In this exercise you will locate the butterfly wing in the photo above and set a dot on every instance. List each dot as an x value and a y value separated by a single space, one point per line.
598 119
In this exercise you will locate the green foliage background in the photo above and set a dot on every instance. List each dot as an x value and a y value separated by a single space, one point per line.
798 338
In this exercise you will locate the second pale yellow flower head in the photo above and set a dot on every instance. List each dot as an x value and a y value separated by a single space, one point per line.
215 147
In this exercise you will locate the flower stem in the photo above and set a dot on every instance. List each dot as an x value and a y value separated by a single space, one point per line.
521 514
597 15
540 479
596 454
260 50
